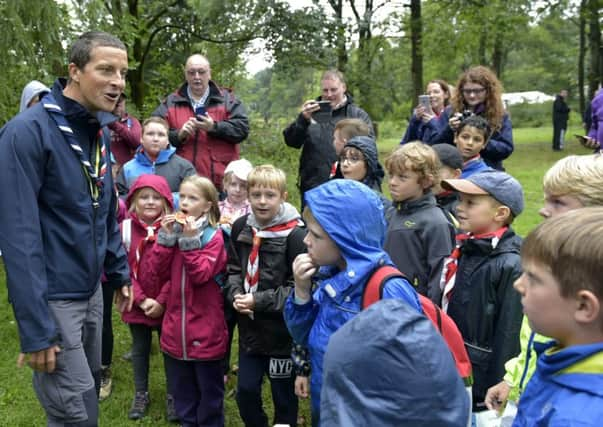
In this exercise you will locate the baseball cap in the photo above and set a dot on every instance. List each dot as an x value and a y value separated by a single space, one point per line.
239 168
500 185
449 155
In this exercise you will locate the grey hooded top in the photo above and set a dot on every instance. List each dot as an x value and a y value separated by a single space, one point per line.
31 89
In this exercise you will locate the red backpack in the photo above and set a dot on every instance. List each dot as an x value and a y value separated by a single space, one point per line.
373 292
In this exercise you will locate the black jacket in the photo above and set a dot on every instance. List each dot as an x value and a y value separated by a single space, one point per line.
486 308
560 112
266 333
316 141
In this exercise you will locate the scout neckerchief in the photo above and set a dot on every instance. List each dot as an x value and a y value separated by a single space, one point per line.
252 276
451 263
150 238
93 173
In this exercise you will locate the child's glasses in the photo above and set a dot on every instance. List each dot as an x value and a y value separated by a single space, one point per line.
351 159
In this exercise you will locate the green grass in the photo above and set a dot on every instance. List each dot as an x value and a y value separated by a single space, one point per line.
19 406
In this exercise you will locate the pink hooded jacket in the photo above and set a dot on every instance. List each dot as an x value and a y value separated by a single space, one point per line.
193 324
138 232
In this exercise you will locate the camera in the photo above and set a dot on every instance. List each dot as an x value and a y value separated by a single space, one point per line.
465 114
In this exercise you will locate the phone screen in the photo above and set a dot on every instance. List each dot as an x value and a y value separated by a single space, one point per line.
424 102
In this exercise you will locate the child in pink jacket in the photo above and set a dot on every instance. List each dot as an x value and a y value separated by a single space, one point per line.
190 254
149 199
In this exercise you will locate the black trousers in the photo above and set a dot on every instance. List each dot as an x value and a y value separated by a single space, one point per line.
252 369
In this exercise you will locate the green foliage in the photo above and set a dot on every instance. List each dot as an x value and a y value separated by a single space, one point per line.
32 35
266 145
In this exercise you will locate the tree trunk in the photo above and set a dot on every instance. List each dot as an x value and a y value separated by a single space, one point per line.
416 65
581 56
342 52
594 77
498 55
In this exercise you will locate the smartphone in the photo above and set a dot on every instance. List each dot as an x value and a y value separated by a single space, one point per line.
425 103
200 111
582 139
324 114
325 106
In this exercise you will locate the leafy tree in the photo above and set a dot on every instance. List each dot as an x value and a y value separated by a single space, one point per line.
32 46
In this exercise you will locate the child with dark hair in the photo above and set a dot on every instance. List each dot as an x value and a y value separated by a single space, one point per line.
451 165
471 137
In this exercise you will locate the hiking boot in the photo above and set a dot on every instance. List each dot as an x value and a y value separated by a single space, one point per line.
106 384
139 405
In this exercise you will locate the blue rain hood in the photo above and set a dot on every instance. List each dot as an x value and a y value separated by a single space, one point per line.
357 228
374 170
379 371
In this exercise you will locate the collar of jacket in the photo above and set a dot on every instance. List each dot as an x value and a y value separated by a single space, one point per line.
425 201
509 242
216 95
163 157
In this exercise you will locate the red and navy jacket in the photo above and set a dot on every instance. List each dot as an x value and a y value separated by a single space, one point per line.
209 151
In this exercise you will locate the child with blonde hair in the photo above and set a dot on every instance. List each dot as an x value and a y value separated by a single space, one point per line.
573 182
562 296
148 201
419 236
263 245
190 254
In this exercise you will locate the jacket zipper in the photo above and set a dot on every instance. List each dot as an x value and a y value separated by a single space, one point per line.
183 320
95 206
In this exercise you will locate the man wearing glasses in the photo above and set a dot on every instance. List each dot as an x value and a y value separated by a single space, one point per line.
207 122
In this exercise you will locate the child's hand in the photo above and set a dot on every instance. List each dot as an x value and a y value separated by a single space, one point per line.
303 269
497 396
152 308
189 229
302 387
244 303
167 223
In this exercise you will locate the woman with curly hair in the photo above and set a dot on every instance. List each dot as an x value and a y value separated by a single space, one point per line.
424 125
478 92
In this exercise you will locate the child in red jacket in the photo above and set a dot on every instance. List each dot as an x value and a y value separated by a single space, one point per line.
190 254
148 201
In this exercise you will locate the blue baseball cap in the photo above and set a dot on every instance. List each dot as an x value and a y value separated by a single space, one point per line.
500 185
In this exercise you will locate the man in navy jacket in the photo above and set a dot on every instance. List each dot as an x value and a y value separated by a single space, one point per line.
58 230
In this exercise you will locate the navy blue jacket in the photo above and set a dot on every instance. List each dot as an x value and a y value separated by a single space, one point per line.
55 244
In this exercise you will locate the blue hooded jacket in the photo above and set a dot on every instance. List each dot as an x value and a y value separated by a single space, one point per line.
168 165
352 215
566 388
379 371
54 242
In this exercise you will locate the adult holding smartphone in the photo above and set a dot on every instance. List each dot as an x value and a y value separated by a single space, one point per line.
478 92
211 140
314 133
424 123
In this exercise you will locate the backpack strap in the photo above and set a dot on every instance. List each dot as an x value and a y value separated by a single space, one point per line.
373 290
126 233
